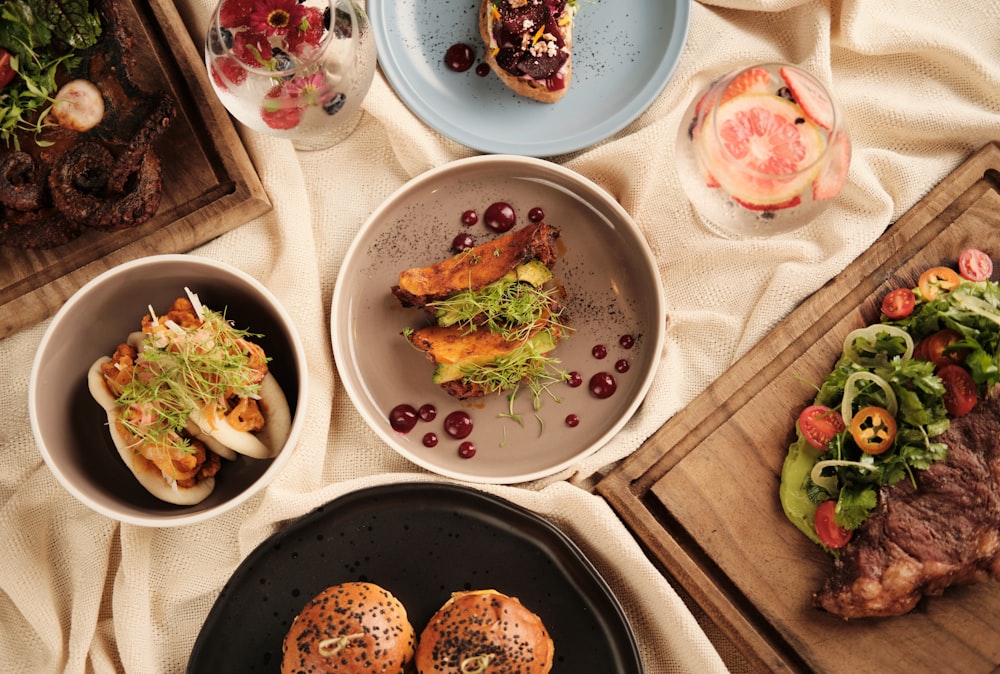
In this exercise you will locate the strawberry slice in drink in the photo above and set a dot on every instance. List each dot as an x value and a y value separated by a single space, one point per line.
758 153
753 81
814 101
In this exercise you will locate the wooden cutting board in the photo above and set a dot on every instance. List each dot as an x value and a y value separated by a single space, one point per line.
702 493
210 185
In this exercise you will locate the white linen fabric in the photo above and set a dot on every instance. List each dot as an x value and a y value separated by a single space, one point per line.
920 84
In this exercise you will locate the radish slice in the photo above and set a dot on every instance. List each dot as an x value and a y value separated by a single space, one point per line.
78 106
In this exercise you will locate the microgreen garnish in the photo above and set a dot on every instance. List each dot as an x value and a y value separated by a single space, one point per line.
29 29
524 364
513 309
183 369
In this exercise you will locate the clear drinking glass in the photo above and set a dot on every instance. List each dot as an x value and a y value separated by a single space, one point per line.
762 151
296 70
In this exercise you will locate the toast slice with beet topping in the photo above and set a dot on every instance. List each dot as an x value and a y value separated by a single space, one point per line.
529 45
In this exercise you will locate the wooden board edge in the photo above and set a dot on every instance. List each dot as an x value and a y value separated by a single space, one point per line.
627 487
730 390
247 200
192 68
697 580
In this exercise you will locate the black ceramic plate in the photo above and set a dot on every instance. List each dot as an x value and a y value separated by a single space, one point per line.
421 542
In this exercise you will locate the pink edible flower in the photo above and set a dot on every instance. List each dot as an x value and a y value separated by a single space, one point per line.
276 17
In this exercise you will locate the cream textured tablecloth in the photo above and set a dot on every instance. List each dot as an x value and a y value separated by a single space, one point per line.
920 83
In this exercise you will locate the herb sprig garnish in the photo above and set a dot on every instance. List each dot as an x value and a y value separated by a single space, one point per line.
522 365
195 368
511 308
41 36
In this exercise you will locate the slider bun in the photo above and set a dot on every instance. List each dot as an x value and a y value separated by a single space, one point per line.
145 471
350 628
487 631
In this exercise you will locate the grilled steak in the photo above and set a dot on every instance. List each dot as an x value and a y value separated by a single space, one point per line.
918 542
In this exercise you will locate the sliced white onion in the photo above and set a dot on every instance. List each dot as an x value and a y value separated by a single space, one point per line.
850 393
830 482
871 333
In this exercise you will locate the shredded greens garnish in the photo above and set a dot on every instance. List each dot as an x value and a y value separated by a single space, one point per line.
41 36
195 368
511 308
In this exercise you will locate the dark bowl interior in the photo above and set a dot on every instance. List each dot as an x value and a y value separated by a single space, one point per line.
71 427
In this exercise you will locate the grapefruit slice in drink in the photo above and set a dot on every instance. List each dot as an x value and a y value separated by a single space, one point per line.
761 149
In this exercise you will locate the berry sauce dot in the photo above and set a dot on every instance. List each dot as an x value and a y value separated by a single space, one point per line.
500 217
536 214
427 412
403 418
469 218
483 69
603 385
458 424
462 242
574 379
600 352
430 439
627 341
572 420
459 57
466 450
622 366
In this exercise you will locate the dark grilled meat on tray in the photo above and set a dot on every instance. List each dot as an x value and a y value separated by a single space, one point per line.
918 542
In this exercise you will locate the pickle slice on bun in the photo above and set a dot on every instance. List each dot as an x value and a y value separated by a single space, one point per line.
484 631
353 628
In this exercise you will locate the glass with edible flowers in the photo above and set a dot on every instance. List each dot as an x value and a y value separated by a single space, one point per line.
292 69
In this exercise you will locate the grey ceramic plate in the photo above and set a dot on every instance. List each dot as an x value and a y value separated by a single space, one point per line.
624 54
613 289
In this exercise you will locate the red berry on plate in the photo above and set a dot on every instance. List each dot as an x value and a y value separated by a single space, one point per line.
753 81
815 102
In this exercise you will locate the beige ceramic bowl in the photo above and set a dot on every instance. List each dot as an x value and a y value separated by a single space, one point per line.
71 428
612 290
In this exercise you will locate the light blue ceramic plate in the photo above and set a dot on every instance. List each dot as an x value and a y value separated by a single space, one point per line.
624 52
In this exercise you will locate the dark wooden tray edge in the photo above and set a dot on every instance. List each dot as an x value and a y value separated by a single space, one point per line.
627 487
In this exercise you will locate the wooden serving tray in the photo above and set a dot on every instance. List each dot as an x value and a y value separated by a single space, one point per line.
702 493
209 183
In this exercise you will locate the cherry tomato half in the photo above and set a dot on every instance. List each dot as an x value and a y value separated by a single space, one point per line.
937 280
831 534
873 429
898 303
818 424
975 265
7 73
960 393
934 347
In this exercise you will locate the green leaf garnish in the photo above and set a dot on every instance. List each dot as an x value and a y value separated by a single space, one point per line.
193 368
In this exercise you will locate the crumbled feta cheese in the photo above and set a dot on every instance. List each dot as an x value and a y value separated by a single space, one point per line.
527 25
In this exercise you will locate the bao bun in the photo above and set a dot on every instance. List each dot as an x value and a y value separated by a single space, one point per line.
355 628
484 631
